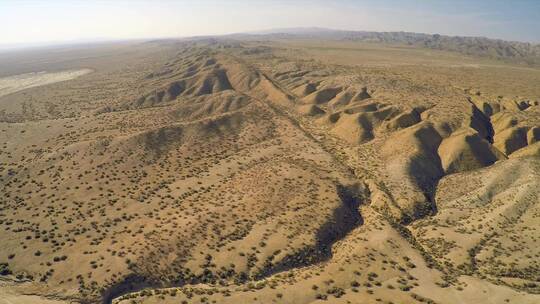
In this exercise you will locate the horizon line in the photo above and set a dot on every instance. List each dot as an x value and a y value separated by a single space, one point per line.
262 32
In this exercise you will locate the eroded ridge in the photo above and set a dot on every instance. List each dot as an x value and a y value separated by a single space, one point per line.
235 172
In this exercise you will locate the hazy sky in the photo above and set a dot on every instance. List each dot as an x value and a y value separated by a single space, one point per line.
63 20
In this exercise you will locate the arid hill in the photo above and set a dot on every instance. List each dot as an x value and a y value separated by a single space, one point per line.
280 171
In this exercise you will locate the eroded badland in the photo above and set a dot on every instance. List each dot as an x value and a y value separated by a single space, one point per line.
278 171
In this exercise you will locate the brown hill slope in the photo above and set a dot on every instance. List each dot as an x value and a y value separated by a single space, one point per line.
228 172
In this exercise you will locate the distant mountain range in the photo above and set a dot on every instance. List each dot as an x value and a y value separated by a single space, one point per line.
513 51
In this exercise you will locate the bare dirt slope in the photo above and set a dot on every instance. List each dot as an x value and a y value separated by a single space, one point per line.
270 172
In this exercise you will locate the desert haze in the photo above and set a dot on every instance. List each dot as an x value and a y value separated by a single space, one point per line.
290 166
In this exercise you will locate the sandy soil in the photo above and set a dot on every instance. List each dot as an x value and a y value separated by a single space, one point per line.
8 295
224 171
12 84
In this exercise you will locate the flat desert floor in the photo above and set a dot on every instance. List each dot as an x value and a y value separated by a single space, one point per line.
12 84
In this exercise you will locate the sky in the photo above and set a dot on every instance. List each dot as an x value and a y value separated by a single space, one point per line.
25 22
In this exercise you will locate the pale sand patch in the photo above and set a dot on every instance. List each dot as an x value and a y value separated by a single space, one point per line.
8 295
12 84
